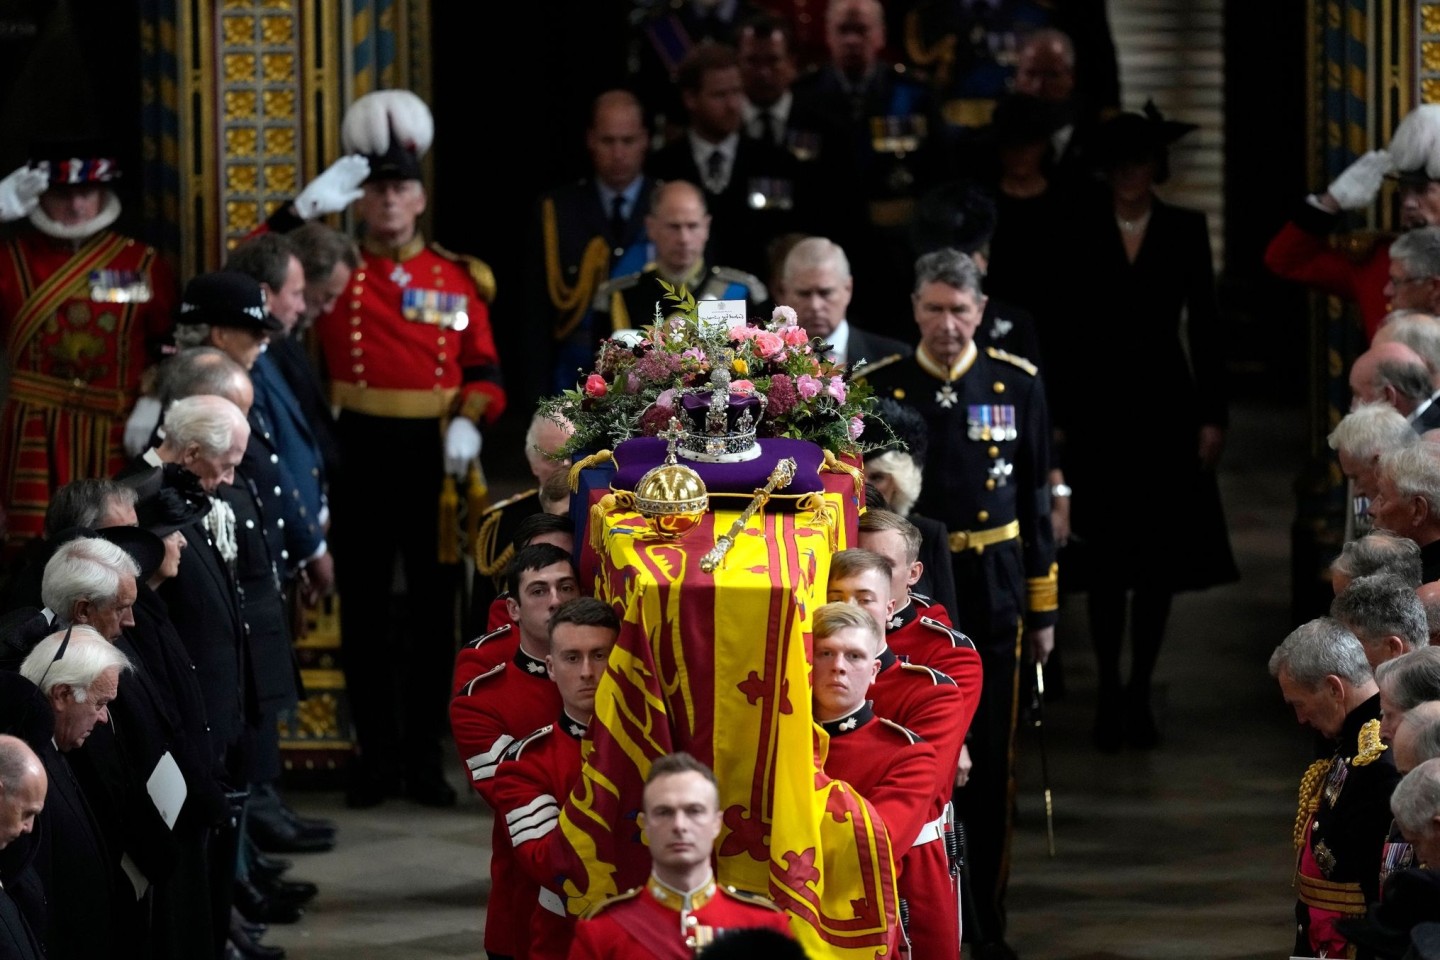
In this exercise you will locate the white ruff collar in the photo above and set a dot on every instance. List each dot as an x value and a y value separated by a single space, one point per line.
108 214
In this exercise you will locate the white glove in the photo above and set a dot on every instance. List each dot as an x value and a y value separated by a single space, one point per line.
20 192
462 445
1357 185
141 425
335 189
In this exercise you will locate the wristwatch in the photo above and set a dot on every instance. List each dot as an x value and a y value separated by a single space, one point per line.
1061 491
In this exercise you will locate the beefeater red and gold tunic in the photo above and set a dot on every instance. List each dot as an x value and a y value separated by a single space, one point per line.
81 322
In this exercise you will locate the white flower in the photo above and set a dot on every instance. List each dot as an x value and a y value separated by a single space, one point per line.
784 316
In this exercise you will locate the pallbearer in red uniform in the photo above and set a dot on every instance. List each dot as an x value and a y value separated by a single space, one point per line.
83 310
681 909
906 777
538 772
414 372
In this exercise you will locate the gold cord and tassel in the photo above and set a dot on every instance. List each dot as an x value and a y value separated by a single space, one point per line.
622 500
477 501
571 302
834 464
594 460
825 515
1311 785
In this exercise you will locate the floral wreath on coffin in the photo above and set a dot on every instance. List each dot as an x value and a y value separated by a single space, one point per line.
637 383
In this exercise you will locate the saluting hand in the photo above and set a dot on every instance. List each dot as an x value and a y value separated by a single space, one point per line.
335 189
20 193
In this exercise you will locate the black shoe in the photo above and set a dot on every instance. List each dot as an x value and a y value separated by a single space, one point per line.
431 791
269 867
274 834
266 801
256 907
254 930
298 892
993 950
248 944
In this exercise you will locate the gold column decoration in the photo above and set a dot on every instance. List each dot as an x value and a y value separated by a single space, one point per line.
1427 64
261 111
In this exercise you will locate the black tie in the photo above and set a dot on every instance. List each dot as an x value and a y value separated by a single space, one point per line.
767 126
714 169
617 218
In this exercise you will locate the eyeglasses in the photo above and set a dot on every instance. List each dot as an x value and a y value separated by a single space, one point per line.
1402 281
59 652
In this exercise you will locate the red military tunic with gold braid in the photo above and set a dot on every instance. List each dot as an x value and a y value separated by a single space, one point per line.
658 921
80 324
396 347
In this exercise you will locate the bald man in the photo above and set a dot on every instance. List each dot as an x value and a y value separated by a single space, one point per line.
1395 373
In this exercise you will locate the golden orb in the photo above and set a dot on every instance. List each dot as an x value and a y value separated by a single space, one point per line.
672 498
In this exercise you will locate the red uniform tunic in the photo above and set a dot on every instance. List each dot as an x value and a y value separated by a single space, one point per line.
499 613
1304 257
656 921
484 653
77 350
386 364
903 790
533 780
488 714
914 635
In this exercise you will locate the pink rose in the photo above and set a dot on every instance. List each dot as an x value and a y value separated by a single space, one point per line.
857 427
742 333
769 345
836 389
595 385
795 336
742 386
807 386
784 316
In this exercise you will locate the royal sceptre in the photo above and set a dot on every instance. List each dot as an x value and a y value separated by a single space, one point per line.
780 478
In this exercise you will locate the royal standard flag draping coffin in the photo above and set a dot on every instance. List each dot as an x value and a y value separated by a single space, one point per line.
718 664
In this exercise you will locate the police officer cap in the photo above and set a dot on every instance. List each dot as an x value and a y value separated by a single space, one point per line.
227 298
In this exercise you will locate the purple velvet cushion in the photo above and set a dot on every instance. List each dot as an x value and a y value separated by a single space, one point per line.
738 480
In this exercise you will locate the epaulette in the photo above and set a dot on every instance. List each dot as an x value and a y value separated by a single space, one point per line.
924 600
1013 360
957 638
936 677
749 896
867 368
617 284
480 273
906 732
511 501
495 634
488 560
610 902
1368 745
731 275
513 751
469 688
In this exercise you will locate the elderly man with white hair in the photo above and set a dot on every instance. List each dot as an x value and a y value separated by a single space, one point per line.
1344 813
1361 436
60 695
1407 500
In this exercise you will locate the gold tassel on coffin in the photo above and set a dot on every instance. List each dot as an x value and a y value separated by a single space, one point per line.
594 460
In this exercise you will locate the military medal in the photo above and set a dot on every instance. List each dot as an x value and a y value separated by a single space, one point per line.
119 286
987 418
946 396
1336 782
436 307
1000 471
972 418
767 193
399 276
1005 416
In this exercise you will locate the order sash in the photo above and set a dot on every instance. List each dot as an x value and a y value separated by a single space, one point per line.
62 284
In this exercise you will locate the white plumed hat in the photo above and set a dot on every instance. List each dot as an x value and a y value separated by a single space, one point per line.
1415 147
391 128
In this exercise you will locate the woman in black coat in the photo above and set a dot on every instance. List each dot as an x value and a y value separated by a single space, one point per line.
1149 351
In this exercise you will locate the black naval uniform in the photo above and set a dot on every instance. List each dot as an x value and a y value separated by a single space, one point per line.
494 549
986 479
629 301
